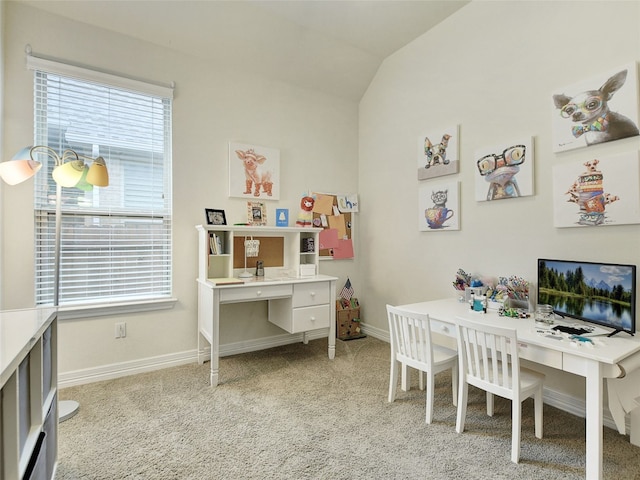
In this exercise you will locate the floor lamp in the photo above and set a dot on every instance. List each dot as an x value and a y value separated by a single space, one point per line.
69 171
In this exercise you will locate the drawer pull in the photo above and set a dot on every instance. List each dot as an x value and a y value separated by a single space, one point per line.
259 292
313 294
313 319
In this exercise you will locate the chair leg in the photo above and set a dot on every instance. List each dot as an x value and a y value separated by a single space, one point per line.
430 395
421 375
462 406
516 416
538 405
393 380
405 377
490 404
454 385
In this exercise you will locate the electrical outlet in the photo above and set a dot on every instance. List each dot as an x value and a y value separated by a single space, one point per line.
121 330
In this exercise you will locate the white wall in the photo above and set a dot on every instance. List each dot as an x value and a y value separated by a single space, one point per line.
317 135
2 5
490 68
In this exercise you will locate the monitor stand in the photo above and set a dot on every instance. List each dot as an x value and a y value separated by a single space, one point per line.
618 331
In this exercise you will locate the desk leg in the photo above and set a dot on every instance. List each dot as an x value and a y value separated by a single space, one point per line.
215 337
209 327
332 323
595 389
634 435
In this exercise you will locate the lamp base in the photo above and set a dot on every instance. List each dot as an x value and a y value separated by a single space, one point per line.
67 409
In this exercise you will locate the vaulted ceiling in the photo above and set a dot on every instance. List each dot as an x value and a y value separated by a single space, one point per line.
334 46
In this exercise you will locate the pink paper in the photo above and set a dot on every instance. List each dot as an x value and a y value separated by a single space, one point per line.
328 238
344 249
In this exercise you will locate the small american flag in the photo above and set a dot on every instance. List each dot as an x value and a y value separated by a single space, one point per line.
347 290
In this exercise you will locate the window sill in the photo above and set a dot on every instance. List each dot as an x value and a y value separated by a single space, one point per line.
106 309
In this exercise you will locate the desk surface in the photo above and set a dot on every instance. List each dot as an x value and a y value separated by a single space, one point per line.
266 281
606 350
19 329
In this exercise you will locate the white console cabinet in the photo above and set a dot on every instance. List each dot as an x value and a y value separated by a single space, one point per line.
300 300
28 394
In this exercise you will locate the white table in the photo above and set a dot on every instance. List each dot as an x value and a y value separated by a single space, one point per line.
606 359
297 305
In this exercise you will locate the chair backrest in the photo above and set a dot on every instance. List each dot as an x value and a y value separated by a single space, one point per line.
488 357
410 337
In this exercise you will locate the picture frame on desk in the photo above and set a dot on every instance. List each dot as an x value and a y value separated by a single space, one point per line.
215 217
256 213
282 217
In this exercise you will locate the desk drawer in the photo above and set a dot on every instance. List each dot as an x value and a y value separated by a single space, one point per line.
308 294
544 356
310 318
248 294
443 328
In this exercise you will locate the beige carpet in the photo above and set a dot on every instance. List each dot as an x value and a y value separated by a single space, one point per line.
291 413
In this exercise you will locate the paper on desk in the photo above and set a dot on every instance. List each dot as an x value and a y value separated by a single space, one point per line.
622 393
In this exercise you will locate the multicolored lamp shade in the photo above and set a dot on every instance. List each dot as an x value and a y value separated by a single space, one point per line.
70 169
20 168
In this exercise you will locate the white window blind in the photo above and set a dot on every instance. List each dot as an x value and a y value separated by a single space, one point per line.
115 240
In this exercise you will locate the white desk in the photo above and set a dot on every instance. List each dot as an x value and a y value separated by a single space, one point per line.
297 305
606 359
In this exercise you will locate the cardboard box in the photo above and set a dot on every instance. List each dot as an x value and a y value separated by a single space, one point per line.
348 322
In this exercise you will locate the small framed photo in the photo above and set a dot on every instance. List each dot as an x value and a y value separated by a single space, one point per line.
256 213
215 217
282 217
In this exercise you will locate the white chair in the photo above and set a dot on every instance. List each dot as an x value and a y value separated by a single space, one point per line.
411 346
489 360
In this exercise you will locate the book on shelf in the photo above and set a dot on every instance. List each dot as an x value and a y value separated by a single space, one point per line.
215 244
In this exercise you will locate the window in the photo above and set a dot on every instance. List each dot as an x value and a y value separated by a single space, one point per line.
115 241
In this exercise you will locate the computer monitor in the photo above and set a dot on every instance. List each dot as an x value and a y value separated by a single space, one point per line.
599 293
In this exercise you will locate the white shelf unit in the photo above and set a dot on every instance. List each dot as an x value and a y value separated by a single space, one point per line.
28 395
212 266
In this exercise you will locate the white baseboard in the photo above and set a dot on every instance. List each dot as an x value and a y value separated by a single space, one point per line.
573 405
123 369
116 370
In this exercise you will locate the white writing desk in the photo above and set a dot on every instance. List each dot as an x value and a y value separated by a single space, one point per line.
606 359
297 305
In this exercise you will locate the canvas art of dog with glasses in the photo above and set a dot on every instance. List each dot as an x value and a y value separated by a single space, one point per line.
588 114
